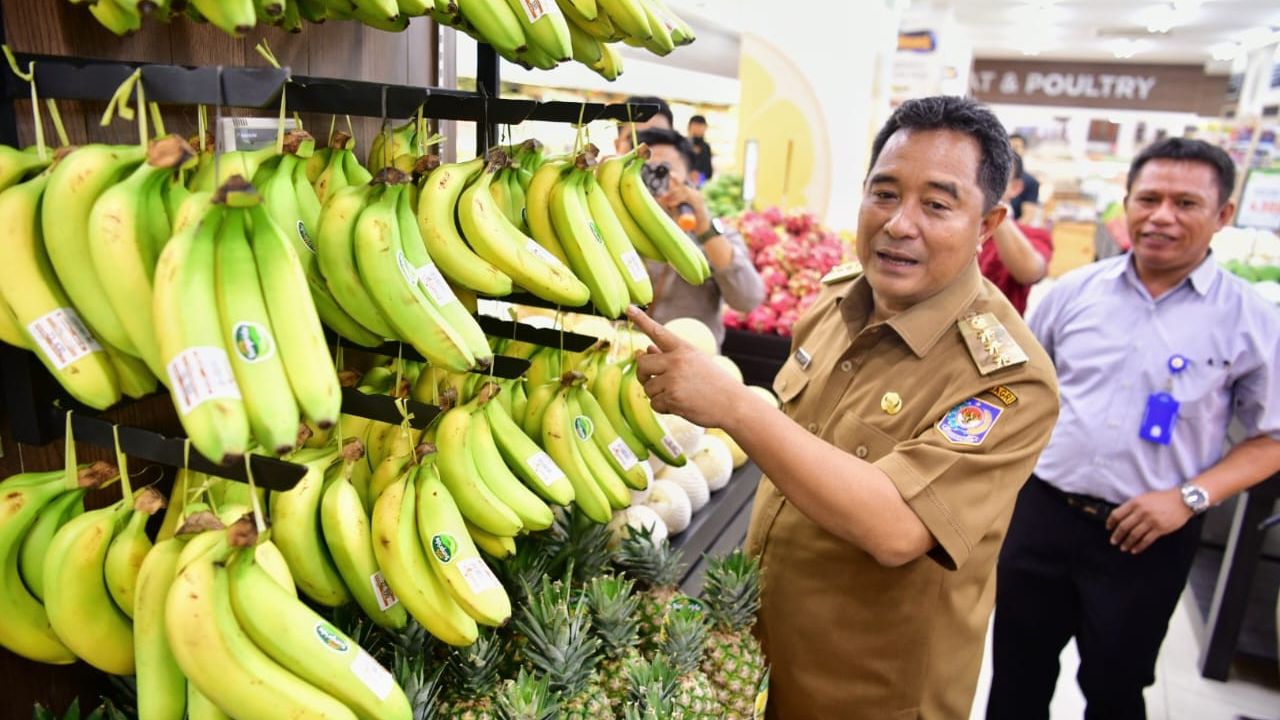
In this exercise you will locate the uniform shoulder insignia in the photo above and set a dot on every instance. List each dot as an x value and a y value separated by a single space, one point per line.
840 273
1003 394
990 343
970 422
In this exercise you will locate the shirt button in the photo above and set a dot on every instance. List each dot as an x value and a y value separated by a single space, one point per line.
813 427
846 366
861 451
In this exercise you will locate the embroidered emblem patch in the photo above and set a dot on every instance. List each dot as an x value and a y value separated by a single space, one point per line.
969 422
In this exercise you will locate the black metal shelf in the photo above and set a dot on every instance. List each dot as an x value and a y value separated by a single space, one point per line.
69 78
504 367
268 472
547 337
719 527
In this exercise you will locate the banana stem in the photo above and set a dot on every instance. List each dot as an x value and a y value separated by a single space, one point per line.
122 464
258 521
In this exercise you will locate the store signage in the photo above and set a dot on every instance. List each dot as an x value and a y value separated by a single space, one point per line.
1178 88
1260 201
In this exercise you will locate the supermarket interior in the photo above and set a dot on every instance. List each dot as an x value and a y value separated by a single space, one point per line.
640 359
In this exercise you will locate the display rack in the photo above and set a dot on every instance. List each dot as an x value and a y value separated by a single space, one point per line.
36 402
718 528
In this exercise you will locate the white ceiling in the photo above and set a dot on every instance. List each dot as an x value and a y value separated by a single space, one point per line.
1064 29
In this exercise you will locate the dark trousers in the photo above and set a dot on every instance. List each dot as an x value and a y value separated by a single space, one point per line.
1059 577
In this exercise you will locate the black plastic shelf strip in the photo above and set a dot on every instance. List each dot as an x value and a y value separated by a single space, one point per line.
383 408
719 526
520 297
547 337
504 367
268 472
70 78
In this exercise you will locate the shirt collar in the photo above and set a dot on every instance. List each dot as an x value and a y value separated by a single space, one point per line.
1201 278
921 325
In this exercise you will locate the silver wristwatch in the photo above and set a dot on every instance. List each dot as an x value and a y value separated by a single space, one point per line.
1195 498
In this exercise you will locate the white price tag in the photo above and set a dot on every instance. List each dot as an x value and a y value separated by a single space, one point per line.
478 575
543 254
634 265
62 336
623 454
374 676
672 446
546 468
200 374
534 9
383 592
437 287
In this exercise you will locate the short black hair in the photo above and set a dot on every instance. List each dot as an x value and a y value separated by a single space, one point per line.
697 119
1176 148
947 112
663 108
663 136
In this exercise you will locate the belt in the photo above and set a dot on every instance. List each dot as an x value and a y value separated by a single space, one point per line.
1094 508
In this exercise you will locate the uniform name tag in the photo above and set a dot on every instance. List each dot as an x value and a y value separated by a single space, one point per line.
803 357
1158 419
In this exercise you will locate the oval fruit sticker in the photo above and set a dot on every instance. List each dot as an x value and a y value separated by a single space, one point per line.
583 428
444 546
331 638
252 341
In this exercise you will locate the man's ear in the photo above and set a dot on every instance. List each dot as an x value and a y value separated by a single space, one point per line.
991 220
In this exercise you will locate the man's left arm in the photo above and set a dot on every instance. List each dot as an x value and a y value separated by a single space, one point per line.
1256 399
1025 255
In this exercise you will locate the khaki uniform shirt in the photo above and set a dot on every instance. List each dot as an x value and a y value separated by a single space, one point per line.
847 637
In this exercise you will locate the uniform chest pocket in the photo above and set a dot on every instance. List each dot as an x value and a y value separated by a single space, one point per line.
790 381
860 439
1202 391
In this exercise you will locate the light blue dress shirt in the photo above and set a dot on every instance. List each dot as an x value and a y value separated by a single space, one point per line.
1111 343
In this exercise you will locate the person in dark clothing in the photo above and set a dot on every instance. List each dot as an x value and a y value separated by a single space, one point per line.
702 170
1030 185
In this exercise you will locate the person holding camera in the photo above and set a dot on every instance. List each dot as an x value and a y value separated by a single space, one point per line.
734 279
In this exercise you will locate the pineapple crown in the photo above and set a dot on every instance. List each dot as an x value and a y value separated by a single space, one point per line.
684 635
559 640
527 697
652 565
422 689
613 613
527 569
652 689
578 543
732 591
474 670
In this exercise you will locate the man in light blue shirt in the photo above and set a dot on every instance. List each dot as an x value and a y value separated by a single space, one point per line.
1156 351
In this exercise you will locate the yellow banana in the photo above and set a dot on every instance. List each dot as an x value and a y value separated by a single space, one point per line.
558 439
539 208
544 27
584 244
538 471
532 511
611 484
628 16
676 247
162 688
31 289
607 390
625 258
492 545
615 450
513 252
453 555
609 176
458 470
436 206
296 530
404 563
496 23
128 549
335 253
645 422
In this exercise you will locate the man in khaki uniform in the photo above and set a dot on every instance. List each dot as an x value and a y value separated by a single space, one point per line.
915 403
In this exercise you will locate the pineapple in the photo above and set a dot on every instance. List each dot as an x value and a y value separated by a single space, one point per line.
656 570
421 688
684 640
734 661
558 644
471 674
577 545
527 698
651 689
613 619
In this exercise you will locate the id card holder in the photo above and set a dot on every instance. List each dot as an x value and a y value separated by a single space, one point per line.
1158 419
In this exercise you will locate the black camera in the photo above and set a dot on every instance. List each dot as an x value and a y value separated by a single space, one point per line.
657 178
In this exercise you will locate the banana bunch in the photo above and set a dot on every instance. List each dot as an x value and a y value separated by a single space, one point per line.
238 335
381 271
38 506
226 635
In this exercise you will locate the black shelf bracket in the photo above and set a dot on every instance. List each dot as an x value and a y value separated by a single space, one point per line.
547 337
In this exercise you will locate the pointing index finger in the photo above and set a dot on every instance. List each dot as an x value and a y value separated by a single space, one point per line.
660 336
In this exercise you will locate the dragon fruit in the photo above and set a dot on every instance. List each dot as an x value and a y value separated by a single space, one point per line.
792 251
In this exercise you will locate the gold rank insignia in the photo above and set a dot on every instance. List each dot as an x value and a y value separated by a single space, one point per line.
989 343
840 273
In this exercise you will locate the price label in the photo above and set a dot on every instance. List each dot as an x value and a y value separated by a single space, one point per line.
62 337
200 374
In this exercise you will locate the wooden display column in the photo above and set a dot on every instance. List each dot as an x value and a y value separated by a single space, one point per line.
57 27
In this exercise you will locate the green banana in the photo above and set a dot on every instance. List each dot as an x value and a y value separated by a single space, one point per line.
296 531
458 470
162 688
611 484
538 471
615 450
609 176
684 256
607 390
645 422
441 191
335 252
625 258
558 439
35 543
583 243
532 511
